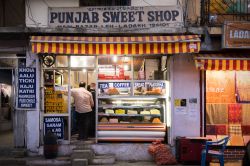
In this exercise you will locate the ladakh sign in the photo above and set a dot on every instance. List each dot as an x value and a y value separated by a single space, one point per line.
236 35
26 88
117 17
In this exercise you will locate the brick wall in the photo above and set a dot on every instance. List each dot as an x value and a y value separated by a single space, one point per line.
234 153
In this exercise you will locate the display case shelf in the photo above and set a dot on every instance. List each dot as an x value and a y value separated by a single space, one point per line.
125 101
128 123
140 115
132 97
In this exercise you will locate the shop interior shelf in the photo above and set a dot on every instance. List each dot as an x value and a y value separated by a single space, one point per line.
132 97
129 123
131 106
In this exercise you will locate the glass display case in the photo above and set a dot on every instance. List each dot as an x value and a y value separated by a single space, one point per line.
131 111
131 104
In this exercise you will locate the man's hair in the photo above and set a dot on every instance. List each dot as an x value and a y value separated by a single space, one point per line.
82 84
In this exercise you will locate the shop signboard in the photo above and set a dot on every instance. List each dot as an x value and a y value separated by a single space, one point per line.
117 17
236 35
55 125
26 96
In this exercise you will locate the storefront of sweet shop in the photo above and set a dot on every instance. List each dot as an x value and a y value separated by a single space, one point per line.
226 83
131 72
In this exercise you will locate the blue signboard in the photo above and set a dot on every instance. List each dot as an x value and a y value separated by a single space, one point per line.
121 84
26 88
55 125
106 85
139 84
157 84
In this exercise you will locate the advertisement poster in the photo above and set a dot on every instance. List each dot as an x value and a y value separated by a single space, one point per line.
243 86
220 87
26 88
180 106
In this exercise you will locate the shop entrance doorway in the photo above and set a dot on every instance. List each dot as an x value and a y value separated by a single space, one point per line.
58 79
87 76
6 108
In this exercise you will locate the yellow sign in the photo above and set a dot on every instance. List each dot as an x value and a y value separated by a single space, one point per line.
55 101
177 102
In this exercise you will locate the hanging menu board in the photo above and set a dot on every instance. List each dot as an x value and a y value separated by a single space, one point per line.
55 100
55 125
26 88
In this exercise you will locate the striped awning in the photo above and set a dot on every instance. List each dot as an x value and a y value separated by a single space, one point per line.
116 45
222 62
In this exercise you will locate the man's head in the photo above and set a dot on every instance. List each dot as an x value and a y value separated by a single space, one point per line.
82 84
92 85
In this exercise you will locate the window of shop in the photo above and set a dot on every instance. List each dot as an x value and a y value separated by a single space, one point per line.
128 93
64 74
228 105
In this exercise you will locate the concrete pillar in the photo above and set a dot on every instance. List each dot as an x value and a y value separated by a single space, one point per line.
33 116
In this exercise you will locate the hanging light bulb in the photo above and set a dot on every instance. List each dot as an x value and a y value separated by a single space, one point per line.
125 67
115 58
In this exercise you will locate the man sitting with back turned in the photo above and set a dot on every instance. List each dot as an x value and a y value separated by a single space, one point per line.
83 103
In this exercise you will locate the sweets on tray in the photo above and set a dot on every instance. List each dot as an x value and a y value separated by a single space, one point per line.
154 91
109 111
132 112
156 120
155 111
119 111
104 120
145 112
113 91
113 120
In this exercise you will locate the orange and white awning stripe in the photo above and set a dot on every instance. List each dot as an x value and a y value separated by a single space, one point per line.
116 45
222 62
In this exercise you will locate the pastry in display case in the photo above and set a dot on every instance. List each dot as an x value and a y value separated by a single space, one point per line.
109 111
112 91
155 111
145 112
131 110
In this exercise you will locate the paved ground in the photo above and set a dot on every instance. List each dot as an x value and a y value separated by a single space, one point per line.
64 161
6 138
